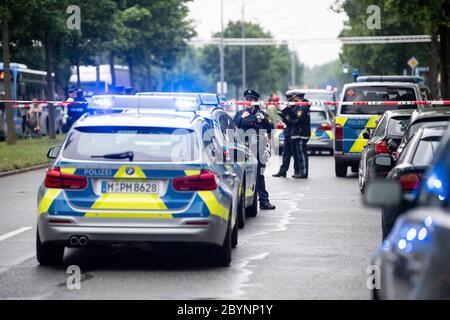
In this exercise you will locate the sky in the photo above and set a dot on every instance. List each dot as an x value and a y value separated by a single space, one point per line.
285 19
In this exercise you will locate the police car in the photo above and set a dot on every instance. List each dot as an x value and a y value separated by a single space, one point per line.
353 118
147 169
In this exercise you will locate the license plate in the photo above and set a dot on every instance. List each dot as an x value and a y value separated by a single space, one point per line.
130 187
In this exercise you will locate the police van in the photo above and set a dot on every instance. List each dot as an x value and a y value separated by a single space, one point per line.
356 113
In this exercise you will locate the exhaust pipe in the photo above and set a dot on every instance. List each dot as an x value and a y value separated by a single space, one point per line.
74 241
83 241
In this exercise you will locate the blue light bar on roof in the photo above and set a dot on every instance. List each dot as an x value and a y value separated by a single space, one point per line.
127 102
206 99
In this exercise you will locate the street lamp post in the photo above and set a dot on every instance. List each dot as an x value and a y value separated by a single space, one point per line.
222 53
244 62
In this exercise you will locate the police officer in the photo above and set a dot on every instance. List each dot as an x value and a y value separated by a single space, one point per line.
297 134
77 108
252 118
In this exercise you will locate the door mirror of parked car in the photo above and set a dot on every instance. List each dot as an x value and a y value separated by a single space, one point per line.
383 161
53 152
366 134
383 194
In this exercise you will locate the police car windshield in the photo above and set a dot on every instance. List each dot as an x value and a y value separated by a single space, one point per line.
145 143
376 93
318 116
319 96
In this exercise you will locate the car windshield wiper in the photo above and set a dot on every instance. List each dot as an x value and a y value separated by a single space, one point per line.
123 155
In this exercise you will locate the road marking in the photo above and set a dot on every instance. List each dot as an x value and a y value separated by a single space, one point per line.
14 233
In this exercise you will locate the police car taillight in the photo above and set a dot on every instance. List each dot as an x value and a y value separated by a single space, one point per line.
55 179
325 127
338 131
205 181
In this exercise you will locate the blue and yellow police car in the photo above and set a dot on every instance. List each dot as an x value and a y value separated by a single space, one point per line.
354 116
146 169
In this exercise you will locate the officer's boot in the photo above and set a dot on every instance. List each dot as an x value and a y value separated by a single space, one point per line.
279 175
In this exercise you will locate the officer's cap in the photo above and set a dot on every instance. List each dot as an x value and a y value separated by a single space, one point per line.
297 93
251 94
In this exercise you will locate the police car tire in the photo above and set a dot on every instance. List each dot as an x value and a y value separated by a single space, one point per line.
48 254
235 236
241 209
252 211
340 170
222 254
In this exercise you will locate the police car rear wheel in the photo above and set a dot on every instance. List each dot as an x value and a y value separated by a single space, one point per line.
341 170
222 254
48 254
252 211
241 208
235 236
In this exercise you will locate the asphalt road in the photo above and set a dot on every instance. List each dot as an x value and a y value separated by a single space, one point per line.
316 245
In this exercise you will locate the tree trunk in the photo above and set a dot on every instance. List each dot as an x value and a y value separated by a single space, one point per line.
77 67
50 92
130 67
97 74
444 57
112 70
433 75
11 131
149 82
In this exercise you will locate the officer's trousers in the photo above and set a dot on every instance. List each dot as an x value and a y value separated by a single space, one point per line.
261 185
290 149
303 157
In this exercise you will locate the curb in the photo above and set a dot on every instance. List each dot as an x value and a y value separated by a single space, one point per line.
13 172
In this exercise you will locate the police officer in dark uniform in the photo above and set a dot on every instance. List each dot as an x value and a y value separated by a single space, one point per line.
252 118
297 134
77 108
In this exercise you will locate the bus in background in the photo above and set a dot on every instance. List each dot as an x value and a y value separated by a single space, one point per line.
26 85
88 76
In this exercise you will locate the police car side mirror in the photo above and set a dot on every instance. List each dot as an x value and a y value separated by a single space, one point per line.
382 193
366 134
53 152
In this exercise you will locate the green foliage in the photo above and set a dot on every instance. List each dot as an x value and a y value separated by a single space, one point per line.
396 19
268 68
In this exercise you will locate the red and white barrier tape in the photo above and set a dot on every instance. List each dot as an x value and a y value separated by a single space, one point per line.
27 103
334 103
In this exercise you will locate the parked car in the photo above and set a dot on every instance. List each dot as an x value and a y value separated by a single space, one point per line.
411 170
419 119
414 260
389 132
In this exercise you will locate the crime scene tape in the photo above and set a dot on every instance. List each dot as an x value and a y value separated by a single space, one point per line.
335 103
27 103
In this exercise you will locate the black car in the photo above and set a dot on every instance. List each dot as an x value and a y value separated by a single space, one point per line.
419 119
410 171
388 133
414 260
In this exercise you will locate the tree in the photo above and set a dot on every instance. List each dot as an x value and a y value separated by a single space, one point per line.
268 66
150 32
8 10
399 17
